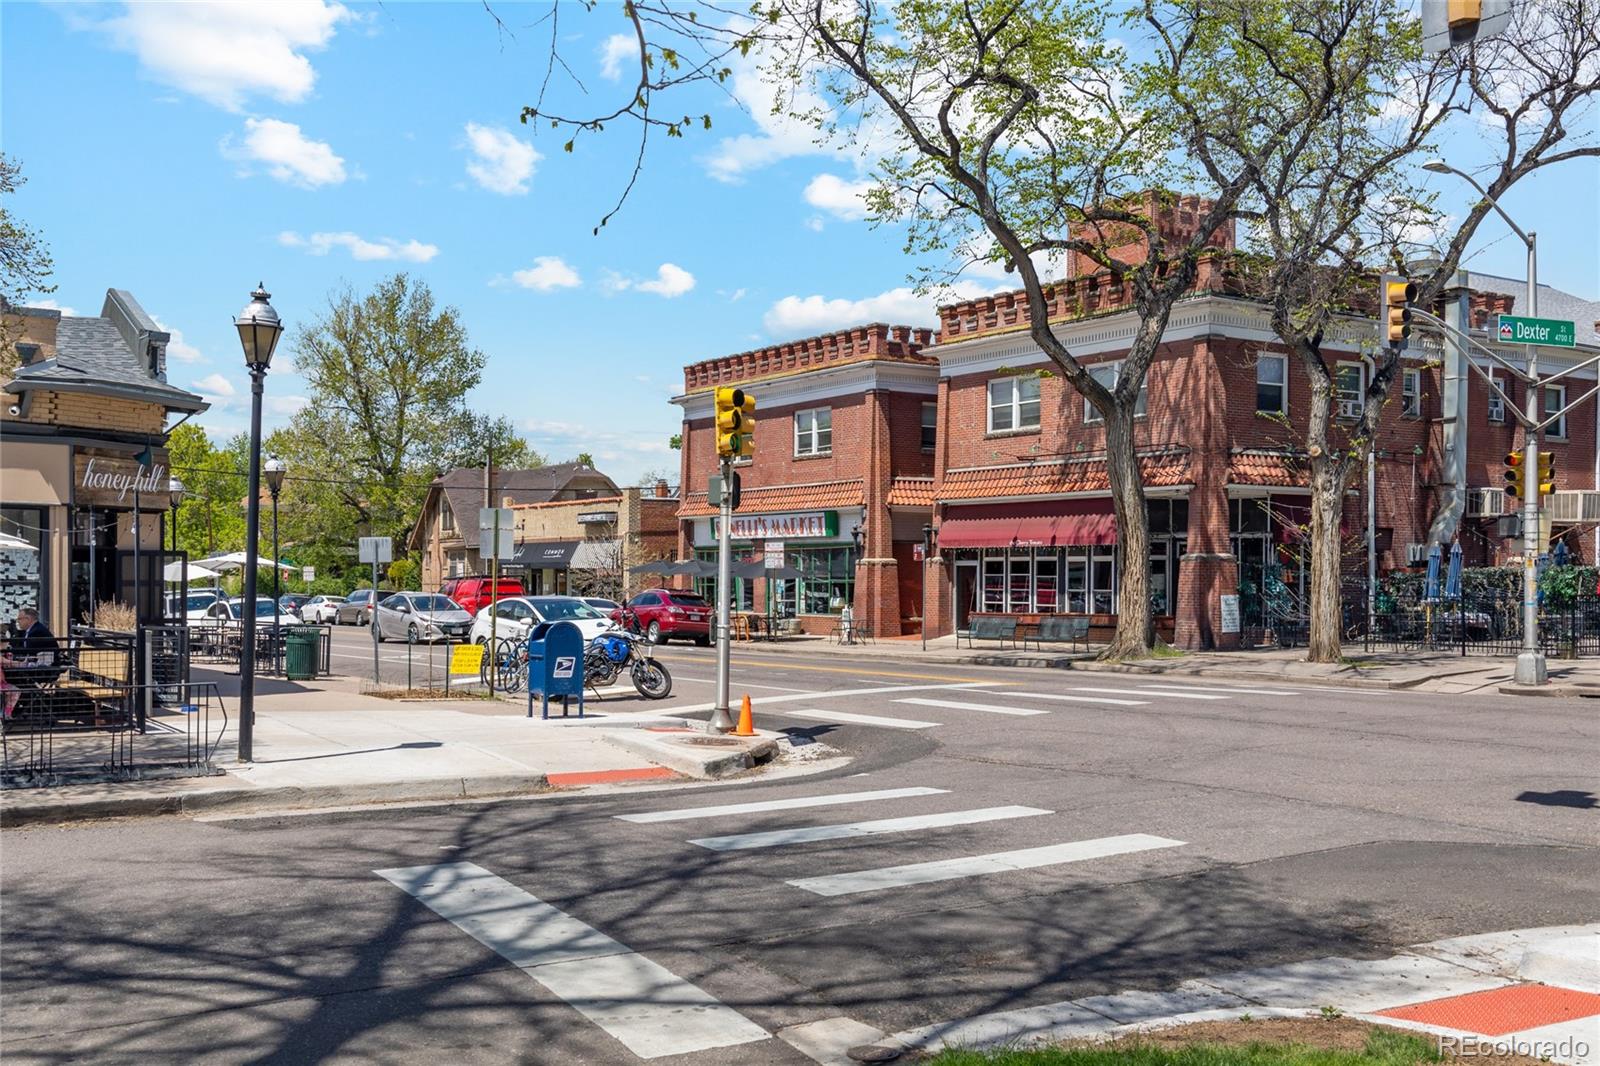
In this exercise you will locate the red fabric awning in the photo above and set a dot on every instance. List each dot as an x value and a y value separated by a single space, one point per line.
1028 531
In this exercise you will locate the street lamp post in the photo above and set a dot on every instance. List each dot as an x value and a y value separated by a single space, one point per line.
1530 661
927 554
275 471
259 329
175 492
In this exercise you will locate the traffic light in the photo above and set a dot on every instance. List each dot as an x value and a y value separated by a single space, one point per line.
1398 293
1516 483
1547 473
736 423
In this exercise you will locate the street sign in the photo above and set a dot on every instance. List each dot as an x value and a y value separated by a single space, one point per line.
772 555
466 659
1230 613
308 574
1548 332
377 550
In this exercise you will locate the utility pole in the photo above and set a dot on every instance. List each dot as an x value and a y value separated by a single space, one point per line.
1530 663
721 721
494 561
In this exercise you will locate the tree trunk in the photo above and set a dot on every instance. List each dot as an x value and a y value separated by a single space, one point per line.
1135 623
1325 641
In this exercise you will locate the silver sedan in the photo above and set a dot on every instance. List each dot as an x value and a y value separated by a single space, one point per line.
421 616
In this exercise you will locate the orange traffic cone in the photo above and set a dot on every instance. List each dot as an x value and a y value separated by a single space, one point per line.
747 725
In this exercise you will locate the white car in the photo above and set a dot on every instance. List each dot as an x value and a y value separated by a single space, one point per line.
321 610
193 607
421 616
226 614
517 615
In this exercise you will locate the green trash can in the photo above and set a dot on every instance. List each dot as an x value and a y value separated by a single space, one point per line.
300 652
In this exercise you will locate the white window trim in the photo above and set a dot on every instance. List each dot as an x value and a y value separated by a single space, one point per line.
1283 402
1091 416
1014 380
929 448
1493 399
1544 412
1411 374
816 450
1361 401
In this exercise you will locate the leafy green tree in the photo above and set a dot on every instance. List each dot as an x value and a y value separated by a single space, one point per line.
25 262
210 521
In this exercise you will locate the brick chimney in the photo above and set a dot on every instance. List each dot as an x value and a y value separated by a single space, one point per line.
663 490
1176 223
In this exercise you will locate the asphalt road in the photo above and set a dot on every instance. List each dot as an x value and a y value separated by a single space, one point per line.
1191 828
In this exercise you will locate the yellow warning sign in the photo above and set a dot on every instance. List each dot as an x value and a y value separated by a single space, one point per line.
466 658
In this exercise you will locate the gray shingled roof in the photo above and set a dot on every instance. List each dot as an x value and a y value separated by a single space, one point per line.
91 355
463 488
1553 303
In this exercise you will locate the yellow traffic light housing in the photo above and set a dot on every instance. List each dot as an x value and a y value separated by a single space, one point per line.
1547 473
736 422
1516 482
1398 294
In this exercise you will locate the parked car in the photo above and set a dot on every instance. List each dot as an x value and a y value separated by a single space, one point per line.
601 604
321 610
193 606
514 617
421 616
356 610
227 614
472 593
292 602
665 614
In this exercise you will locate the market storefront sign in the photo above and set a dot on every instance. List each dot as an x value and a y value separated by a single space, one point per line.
800 525
108 482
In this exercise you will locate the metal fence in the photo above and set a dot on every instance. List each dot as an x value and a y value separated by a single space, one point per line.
219 643
1486 622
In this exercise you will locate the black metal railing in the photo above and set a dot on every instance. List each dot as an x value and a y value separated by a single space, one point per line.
219 643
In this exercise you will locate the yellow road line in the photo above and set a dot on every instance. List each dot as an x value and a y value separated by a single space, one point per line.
855 672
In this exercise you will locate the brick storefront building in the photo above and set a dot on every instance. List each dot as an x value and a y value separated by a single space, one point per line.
844 455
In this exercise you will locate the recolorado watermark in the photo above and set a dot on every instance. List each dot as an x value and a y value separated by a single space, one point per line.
1567 1049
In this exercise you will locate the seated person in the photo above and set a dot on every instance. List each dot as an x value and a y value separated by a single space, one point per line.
33 658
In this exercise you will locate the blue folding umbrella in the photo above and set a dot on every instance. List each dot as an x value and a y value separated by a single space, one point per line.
1452 577
1559 554
1430 591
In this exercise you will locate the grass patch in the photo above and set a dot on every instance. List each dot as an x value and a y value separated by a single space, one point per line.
1163 650
1383 1047
427 694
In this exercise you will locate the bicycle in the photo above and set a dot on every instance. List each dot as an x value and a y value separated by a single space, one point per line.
508 666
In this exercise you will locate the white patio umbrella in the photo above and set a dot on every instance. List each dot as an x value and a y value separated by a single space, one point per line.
16 544
235 561
177 571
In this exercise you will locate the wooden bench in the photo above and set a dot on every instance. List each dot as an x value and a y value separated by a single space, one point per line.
99 676
999 629
1057 630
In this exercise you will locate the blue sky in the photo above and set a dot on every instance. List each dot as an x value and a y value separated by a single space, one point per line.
186 151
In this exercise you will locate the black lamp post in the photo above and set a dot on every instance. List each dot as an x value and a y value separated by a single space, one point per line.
275 471
259 329
175 492
927 554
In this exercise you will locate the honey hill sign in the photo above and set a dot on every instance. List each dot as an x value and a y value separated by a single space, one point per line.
103 482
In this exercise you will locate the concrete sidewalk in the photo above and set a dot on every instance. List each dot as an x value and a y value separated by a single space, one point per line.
1425 671
1533 991
326 744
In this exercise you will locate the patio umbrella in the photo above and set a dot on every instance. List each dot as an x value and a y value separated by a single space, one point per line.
660 566
1430 590
1452 577
693 568
235 561
15 544
176 571
1558 555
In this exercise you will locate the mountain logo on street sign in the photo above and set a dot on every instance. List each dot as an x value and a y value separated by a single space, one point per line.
1505 331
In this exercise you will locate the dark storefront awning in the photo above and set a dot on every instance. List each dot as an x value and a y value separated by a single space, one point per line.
545 554
1028 531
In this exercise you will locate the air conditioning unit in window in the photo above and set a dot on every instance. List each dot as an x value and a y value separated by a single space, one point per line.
1416 553
1349 408
1572 506
1486 503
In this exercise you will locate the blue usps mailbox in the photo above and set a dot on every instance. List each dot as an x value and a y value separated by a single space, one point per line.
555 666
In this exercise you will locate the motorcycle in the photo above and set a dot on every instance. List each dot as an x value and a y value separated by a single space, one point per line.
609 653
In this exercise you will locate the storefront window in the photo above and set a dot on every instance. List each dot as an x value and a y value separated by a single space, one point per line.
828 580
1046 572
1019 598
994 584
1077 584
744 592
21 570
1103 578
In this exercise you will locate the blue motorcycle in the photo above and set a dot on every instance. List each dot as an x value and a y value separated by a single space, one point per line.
610 653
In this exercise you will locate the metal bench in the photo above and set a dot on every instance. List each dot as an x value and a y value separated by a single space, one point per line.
1070 631
1000 629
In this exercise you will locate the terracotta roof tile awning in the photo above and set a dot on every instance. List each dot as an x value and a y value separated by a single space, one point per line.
774 499
1058 477
1262 467
911 492
1034 531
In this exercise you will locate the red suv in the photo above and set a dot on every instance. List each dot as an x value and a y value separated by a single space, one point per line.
472 593
662 614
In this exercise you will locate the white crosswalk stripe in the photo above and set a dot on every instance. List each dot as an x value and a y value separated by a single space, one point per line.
980 865
1067 697
1225 691
989 708
859 719
643 1005
682 813
811 833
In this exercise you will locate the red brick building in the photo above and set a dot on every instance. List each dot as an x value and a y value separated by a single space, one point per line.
842 473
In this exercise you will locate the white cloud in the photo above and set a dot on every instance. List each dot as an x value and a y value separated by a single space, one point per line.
177 347
502 162
840 198
216 389
549 272
51 305
815 223
410 251
288 154
622 453
779 135
286 406
225 52
618 49
670 281
797 316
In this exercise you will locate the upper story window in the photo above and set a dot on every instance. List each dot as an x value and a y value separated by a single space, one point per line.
813 431
1107 375
447 518
1411 393
1350 390
1272 384
1014 403
1496 406
930 426
1555 398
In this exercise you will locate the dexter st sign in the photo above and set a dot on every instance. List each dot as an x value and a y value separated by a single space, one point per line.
1549 332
